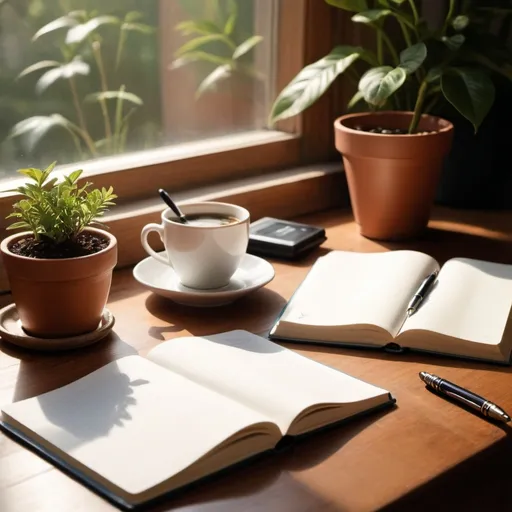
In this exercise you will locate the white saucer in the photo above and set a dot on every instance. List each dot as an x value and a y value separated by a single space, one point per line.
253 273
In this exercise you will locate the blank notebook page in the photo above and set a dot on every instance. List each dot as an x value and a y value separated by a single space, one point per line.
133 422
345 288
274 380
471 300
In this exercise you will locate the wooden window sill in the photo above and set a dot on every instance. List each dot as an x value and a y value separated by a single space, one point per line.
283 194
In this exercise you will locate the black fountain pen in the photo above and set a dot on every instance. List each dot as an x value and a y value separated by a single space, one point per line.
463 396
421 293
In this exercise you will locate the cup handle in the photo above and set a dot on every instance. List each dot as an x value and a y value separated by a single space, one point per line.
144 240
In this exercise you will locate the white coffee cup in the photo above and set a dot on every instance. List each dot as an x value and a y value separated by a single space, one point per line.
203 257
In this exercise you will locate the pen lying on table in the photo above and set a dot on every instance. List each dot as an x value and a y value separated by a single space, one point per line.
463 396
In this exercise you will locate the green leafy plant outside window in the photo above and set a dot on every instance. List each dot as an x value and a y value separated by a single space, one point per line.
82 37
214 41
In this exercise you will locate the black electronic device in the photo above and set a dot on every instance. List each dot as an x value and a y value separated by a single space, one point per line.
283 238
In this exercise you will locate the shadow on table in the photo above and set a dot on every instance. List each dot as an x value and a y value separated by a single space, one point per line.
443 244
261 473
478 484
40 372
254 313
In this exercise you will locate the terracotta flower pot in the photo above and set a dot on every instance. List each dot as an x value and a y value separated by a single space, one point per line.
392 179
60 297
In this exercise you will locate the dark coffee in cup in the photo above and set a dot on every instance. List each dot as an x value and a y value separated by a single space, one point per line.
208 220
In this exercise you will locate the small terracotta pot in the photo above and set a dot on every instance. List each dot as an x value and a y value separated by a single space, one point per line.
60 297
392 179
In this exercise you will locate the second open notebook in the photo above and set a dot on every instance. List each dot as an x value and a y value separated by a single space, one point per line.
138 428
361 299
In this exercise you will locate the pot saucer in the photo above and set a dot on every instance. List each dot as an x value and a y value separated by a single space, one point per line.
12 332
252 274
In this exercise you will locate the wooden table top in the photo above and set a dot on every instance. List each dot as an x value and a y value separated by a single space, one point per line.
424 453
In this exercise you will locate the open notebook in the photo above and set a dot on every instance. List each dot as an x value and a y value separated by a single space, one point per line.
138 428
361 299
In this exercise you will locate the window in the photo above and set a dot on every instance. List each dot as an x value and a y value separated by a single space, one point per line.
86 79
128 105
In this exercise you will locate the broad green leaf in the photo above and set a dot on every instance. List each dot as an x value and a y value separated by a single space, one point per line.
231 21
370 16
349 5
312 82
50 168
412 57
198 42
230 25
217 75
113 95
203 27
44 64
19 225
32 173
138 27
470 91
64 71
454 42
24 205
74 175
460 22
358 96
198 56
378 84
80 32
246 46
33 129
433 74
62 22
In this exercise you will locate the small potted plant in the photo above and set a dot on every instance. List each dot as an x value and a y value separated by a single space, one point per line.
393 151
60 267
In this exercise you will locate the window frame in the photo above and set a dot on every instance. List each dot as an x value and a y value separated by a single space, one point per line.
308 139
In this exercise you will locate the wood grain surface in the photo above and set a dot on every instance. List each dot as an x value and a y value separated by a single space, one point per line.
425 453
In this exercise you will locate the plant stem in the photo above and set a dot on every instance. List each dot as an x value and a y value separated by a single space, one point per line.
405 32
414 11
418 107
380 49
229 42
124 131
120 46
119 119
78 146
390 46
449 15
96 49
87 139
81 119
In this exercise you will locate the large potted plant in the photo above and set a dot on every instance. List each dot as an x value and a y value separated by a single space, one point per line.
60 267
393 151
